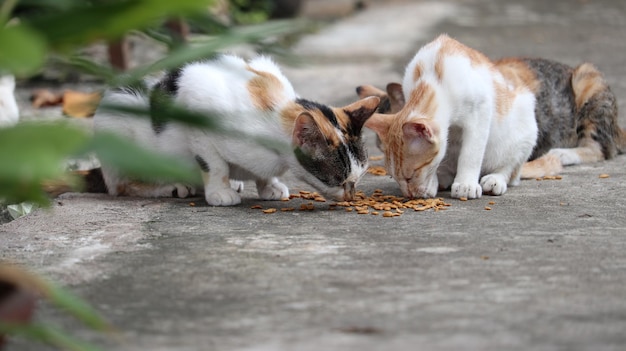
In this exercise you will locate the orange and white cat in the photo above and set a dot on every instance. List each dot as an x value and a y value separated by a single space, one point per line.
464 125
575 110
255 100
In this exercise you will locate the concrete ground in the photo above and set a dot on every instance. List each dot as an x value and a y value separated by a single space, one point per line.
544 269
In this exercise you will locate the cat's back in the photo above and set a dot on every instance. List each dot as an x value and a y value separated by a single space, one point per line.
228 83
444 59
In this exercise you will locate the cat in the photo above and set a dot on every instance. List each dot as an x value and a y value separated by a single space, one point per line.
256 99
9 111
576 113
464 125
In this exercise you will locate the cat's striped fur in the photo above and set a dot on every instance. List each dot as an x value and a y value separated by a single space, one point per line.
576 112
255 99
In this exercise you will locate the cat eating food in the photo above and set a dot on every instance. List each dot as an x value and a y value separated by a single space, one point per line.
464 125
575 110
255 100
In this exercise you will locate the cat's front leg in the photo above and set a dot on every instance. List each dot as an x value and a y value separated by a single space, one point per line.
494 184
272 189
469 164
218 190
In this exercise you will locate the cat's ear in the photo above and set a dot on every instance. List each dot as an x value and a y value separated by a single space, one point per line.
306 134
360 111
379 123
364 91
422 131
396 96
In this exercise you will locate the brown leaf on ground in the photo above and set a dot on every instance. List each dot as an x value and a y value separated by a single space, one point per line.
44 97
79 104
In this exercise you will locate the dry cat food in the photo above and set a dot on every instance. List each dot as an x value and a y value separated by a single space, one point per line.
377 203
556 177
377 170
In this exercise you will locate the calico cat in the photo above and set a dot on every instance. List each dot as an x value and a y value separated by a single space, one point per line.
253 98
576 112
9 112
464 125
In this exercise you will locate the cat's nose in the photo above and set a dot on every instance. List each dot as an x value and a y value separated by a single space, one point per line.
348 191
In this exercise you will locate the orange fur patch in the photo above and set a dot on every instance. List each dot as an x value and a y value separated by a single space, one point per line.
423 100
265 90
516 73
417 72
451 47
546 165
292 111
586 82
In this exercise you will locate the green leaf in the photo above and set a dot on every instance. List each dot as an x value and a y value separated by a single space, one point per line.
33 153
209 46
22 50
76 307
109 19
46 334
140 163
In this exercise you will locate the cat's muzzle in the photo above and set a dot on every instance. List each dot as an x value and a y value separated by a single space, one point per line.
349 189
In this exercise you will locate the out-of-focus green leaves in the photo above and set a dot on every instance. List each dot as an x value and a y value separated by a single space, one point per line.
22 50
76 307
33 153
140 163
108 19
46 334
30 284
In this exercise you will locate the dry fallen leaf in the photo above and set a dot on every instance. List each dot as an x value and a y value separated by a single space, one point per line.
44 97
80 104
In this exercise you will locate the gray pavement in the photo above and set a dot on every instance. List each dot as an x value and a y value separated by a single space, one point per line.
544 269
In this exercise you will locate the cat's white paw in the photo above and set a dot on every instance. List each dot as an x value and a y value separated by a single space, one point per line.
223 197
236 185
494 184
567 156
182 191
470 191
274 191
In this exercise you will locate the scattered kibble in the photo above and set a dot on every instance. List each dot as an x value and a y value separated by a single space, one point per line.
492 202
377 170
603 175
192 204
376 204
487 208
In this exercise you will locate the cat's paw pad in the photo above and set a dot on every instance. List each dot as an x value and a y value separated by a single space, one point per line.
236 185
274 191
493 184
567 156
467 190
223 197
182 191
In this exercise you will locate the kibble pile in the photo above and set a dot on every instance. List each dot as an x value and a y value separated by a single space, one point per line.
376 204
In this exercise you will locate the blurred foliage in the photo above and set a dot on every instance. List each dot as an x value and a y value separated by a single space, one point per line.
250 11
34 31
18 281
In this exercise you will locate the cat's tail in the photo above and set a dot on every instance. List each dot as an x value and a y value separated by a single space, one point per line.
546 165
596 111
